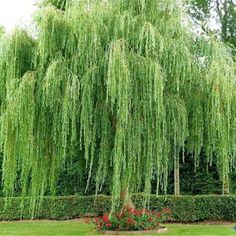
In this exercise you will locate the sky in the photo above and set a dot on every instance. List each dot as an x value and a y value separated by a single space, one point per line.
16 13
19 13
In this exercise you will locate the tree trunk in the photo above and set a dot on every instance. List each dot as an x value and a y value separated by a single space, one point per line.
225 187
126 198
176 176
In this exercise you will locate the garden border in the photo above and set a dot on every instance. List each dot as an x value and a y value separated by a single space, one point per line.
184 208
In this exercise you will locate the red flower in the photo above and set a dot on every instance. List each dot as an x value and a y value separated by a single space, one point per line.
137 212
130 221
108 225
166 210
131 210
129 217
158 214
105 218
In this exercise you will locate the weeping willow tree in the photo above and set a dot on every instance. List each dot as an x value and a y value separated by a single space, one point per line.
122 85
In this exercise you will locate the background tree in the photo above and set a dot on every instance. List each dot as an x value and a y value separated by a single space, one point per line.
224 14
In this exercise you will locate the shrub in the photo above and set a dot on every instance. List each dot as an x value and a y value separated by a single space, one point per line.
130 219
194 208
184 208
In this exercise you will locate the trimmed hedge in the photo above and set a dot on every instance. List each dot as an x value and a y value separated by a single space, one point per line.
55 208
184 208
196 208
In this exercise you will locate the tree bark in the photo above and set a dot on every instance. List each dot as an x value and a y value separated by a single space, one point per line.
126 198
225 187
176 176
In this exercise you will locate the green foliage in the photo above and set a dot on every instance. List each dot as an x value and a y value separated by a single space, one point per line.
195 208
228 20
130 219
223 12
57 208
184 208
1 31
200 9
121 85
60 4
197 181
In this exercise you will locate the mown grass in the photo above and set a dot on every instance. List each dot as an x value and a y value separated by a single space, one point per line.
69 228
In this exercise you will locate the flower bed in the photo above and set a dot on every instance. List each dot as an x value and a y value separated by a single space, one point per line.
129 220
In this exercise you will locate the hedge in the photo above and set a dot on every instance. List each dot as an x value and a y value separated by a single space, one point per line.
184 208
196 208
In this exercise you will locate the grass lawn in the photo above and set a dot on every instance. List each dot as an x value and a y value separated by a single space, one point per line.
67 228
